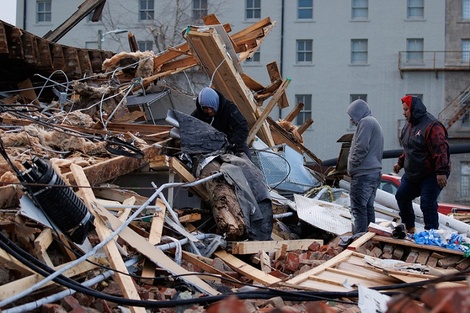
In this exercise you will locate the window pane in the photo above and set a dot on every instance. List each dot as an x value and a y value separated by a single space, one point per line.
465 179
253 9
463 101
145 45
256 58
304 51
306 112
414 49
359 51
146 11
415 8
43 10
305 9
466 50
465 9
199 9
360 9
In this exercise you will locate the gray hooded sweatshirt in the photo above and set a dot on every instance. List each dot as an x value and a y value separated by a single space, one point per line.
365 155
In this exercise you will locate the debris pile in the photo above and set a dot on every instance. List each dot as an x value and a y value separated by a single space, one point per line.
73 147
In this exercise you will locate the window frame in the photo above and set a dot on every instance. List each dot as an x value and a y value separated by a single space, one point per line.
306 9
358 6
252 9
465 50
306 112
199 9
144 44
255 59
356 51
415 56
465 10
464 180
410 8
42 14
146 14
307 54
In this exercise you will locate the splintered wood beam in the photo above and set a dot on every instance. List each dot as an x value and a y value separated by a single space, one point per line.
163 162
302 128
154 254
121 274
211 51
252 247
282 136
267 110
275 75
155 236
245 269
110 169
292 114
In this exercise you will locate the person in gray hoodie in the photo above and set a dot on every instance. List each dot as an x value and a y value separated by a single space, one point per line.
364 165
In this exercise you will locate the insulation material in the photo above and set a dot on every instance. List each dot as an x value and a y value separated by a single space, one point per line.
324 215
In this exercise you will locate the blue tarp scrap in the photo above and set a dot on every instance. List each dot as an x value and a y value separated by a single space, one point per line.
433 238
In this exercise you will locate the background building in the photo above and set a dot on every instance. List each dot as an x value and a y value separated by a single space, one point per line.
334 51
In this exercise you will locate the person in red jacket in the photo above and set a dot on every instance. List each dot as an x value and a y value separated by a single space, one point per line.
426 162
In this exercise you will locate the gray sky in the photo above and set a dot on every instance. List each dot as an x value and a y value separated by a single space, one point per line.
8 11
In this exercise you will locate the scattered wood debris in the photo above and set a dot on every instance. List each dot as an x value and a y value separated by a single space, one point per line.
145 255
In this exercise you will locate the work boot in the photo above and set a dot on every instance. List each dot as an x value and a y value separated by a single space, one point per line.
411 230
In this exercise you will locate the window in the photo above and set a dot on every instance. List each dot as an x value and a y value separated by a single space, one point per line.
199 9
253 9
354 97
465 179
466 9
255 59
304 51
145 45
306 112
305 9
146 10
415 9
360 9
414 50
359 51
464 100
43 11
465 48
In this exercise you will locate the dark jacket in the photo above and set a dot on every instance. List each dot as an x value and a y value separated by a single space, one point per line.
426 148
228 120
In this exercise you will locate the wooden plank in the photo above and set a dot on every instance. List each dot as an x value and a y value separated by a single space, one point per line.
255 128
180 170
15 44
84 9
45 58
72 63
30 49
274 75
155 236
12 288
360 241
305 125
344 255
199 262
252 247
293 114
245 269
408 243
211 52
112 168
41 243
10 196
154 254
121 275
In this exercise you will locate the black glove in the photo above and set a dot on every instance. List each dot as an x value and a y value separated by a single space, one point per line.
232 148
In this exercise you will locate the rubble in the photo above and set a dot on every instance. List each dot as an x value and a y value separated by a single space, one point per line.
144 254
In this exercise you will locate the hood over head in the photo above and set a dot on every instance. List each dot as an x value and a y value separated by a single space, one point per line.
208 97
417 107
358 109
